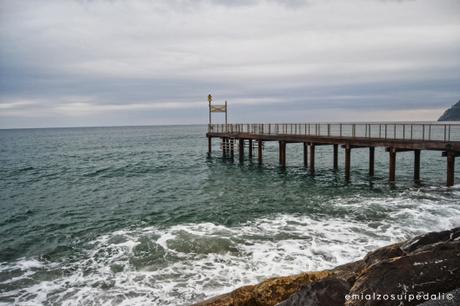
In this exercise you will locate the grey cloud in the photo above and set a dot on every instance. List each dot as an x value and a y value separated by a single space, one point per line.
155 61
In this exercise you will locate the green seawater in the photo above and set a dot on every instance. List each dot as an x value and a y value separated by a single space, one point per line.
142 216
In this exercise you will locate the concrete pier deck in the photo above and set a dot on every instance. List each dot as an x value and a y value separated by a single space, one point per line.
393 136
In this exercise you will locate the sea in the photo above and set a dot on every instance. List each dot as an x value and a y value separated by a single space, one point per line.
143 216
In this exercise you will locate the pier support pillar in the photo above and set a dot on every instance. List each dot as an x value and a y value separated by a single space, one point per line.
417 165
450 168
392 164
305 154
209 145
241 149
312 158
371 161
224 147
282 153
250 148
347 162
232 148
336 157
259 151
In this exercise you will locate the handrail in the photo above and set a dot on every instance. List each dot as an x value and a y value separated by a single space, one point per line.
425 131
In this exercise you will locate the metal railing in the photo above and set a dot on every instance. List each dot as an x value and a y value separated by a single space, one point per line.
427 131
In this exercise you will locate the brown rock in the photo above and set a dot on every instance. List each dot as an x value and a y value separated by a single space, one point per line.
275 290
350 270
268 293
329 291
242 296
383 253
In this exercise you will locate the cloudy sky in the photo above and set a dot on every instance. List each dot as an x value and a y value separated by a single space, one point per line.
113 62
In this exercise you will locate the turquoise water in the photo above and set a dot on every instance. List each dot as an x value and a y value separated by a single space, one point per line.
141 215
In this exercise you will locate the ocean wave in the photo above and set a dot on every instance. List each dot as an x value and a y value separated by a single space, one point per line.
183 263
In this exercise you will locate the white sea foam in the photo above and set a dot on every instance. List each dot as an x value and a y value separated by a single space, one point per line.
189 262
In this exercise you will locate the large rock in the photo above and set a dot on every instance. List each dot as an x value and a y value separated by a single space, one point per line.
267 293
428 263
328 292
275 290
239 297
390 251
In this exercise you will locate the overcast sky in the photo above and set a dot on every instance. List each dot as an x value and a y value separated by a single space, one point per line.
113 62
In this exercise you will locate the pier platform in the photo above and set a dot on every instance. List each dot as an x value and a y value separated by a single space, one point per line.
393 136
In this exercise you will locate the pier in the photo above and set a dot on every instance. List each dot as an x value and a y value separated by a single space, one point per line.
395 137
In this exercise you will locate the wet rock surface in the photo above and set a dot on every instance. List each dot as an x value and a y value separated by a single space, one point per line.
328 291
428 264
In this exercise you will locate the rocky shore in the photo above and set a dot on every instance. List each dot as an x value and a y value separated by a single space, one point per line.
405 273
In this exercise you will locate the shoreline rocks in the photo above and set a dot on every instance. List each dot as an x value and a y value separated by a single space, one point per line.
428 264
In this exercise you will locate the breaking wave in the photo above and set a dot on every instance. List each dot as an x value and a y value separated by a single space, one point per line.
185 263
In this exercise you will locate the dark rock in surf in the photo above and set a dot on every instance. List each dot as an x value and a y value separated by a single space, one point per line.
428 263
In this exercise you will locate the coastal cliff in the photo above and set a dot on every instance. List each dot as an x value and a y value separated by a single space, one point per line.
452 114
428 264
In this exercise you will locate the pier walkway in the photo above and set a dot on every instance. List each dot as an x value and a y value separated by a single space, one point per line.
393 136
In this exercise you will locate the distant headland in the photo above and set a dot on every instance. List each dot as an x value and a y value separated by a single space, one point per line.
452 114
